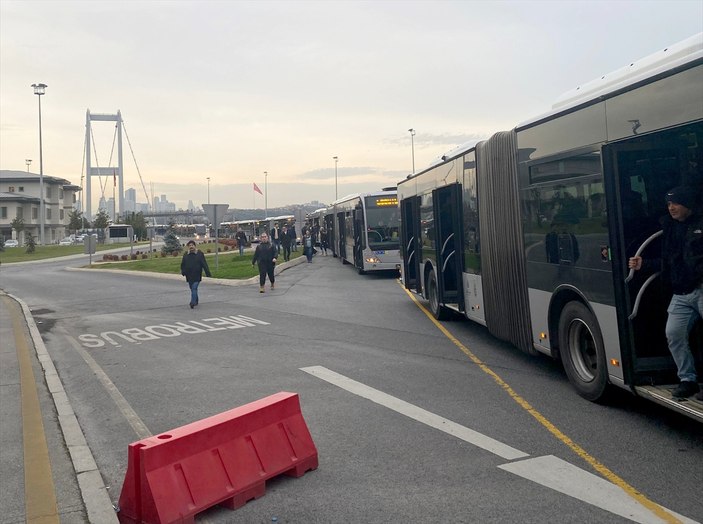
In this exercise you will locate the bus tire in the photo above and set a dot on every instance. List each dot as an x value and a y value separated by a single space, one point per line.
438 311
582 352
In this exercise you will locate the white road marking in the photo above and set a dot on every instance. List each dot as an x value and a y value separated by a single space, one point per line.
559 475
417 413
129 414
549 471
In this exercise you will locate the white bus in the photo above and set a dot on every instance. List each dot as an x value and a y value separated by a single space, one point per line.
365 230
529 232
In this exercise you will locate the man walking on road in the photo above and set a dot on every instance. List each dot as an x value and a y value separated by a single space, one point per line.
192 267
265 255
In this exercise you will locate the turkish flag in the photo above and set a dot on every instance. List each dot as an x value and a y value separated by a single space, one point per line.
256 188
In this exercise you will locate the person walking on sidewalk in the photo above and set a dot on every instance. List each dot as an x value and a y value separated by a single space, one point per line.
308 246
241 237
285 243
265 254
192 266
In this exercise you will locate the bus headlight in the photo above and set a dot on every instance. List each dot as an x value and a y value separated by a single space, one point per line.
373 260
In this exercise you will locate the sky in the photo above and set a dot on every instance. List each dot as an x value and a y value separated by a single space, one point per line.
232 89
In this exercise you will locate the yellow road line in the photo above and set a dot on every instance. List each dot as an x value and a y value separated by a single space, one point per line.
39 493
592 461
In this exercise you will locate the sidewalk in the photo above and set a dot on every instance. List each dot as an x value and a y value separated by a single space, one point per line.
47 471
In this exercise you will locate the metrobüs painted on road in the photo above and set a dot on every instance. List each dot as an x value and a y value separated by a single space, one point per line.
192 327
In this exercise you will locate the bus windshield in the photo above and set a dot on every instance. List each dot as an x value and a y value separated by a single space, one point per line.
382 222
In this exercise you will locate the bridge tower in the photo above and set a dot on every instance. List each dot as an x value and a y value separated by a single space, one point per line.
116 172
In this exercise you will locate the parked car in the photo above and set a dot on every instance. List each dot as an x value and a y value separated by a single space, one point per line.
68 241
11 243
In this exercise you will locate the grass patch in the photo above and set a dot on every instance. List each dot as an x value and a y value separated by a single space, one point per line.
231 265
18 254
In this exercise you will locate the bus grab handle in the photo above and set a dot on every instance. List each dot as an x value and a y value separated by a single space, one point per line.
639 251
639 294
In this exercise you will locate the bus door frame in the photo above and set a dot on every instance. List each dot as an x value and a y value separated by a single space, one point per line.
633 365
341 241
358 221
410 238
449 243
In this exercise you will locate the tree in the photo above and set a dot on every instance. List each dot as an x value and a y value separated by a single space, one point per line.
31 244
138 223
102 220
171 242
18 225
75 220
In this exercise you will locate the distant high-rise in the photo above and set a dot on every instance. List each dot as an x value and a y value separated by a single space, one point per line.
130 200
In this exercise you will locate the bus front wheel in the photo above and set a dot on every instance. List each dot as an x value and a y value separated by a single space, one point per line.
438 311
582 352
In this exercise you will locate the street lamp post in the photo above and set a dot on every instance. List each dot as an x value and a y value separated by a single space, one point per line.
39 90
266 194
412 145
28 162
208 190
336 159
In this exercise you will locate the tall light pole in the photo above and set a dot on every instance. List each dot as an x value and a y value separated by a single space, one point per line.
336 159
208 190
39 91
266 194
28 161
412 145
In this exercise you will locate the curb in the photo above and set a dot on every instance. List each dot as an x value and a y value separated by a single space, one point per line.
280 268
97 502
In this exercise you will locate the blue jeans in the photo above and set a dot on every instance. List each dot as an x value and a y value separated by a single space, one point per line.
683 311
193 292
241 250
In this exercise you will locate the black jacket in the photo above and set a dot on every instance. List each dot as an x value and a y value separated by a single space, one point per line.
264 255
193 265
682 254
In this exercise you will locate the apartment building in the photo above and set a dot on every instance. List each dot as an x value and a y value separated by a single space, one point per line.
19 197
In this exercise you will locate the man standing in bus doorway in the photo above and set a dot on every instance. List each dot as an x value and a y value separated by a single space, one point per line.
265 255
681 265
241 238
192 266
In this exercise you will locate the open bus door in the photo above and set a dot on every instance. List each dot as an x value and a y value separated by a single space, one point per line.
341 240
359 238
329 226
410 242
449 245
639 172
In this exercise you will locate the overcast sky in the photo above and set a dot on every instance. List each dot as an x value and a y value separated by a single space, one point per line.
230 89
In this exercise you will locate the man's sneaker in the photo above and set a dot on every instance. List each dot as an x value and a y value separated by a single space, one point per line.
686 389
272 285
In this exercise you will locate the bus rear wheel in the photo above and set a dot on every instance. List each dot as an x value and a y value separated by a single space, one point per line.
582 351
438 311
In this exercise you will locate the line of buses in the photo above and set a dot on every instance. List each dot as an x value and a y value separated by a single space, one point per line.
529 232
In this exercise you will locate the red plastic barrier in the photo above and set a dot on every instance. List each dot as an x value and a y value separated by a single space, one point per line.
224 459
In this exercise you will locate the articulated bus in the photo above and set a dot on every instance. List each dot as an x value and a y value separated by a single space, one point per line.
365 230
530 231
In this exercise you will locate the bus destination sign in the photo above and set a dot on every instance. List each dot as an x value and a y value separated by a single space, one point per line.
384 202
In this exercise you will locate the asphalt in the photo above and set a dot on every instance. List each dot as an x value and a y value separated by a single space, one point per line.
79 493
